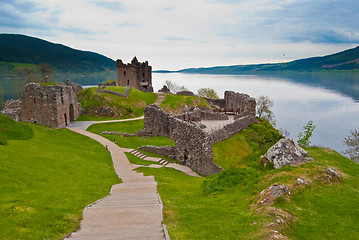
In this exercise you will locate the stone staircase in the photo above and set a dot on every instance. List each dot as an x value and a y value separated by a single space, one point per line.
145 157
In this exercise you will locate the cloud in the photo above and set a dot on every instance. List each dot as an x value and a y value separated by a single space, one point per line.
186 33
113 6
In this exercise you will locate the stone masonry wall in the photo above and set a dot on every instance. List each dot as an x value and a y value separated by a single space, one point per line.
166 151
53 105
193 146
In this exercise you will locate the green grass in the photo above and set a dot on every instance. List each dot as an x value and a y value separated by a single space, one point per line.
49 84
189 213
139 161
129 127
221 206
176 103
122 108
11 130
47 180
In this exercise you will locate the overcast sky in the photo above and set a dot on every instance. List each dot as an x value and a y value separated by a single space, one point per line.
176 34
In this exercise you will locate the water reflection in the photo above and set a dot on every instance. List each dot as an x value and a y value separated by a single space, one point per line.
295 102
329 100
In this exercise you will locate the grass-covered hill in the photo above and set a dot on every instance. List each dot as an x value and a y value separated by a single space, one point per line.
22 49
104 106
47 177
228 205
345 60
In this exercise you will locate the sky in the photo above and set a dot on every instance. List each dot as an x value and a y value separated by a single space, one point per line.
177 34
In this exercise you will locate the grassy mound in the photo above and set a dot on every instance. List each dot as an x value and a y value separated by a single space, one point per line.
177 103
11 130
47 180
225 205
128 127
103 106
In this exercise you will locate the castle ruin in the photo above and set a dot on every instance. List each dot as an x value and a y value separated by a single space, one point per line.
135 74
51 105
193 139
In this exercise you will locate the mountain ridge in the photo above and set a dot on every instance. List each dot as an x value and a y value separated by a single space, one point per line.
18 48
347 60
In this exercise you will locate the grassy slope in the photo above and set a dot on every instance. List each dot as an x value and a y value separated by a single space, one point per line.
122 107
220 206
129 127
46 182
175 103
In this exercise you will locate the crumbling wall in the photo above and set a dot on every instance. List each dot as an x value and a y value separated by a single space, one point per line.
12 109
166 151
52 105
135 74
193 146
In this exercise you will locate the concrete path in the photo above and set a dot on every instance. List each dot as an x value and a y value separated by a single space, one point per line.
133 210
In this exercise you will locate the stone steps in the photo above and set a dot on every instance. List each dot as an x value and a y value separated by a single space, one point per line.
154 233
145 157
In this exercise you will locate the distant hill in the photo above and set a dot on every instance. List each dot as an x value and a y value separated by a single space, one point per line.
15 48
345 60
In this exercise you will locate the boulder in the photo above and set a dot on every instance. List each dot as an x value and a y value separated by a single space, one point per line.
286 152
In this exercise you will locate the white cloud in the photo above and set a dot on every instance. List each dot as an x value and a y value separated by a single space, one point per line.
182 33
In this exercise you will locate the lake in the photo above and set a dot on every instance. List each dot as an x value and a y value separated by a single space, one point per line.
330 100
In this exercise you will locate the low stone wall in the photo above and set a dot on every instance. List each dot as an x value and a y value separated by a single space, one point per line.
166 151
198 115
231 129
124 95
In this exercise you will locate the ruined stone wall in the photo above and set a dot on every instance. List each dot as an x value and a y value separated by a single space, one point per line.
135 74
231 129
54 105
157 122
193 146
245 104
198 115
193 149
166 151
12 109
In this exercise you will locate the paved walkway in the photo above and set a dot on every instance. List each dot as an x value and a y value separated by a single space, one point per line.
133 210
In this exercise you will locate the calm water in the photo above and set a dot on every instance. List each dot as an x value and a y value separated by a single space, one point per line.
331 101
297 99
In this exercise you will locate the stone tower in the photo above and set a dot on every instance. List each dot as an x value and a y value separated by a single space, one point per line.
135 74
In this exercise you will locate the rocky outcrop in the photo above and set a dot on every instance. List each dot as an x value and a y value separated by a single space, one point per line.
286 152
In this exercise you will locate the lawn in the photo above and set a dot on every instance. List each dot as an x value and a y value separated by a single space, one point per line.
129 127
47 179
221 206
176 103
122 108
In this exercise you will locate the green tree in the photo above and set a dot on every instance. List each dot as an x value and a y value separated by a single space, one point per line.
45 71
263 109
207 93
352 144
303 137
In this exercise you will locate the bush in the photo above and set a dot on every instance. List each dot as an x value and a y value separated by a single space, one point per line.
303 137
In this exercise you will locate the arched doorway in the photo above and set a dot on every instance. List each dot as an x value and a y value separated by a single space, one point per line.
72 114
65 116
